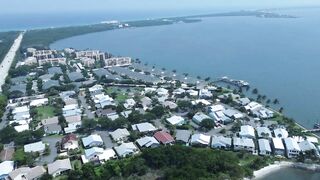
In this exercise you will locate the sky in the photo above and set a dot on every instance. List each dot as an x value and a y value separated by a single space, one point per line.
61 6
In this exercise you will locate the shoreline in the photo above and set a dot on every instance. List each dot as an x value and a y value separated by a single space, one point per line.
278 165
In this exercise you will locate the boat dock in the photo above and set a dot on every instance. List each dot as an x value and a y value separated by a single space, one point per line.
238 83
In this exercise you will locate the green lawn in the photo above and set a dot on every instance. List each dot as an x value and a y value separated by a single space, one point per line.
45 112
121 97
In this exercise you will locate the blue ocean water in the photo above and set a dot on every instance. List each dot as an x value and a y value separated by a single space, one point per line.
278 56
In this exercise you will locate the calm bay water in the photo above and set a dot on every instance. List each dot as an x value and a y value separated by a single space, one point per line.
281 57
292 174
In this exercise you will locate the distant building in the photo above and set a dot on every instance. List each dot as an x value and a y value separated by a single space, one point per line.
117 61
92 54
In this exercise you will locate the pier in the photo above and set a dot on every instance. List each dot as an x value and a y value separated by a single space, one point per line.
239 83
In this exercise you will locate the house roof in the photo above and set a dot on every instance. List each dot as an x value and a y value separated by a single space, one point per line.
36 172
221 140
35 147
147 141
263 130
6 167
200 139
291 144
163 137
281 133
49 121
54 70
119 133
59 165
73 76
27 173
90 139
277 143
125 148
264 145
183 135
174 120
307 146
144 127
243 142
73 119
50 83
217 107
93 151
247 131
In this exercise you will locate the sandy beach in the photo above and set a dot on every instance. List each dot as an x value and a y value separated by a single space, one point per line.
269 169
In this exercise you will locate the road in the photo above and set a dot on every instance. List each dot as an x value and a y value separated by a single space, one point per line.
84 104
7 61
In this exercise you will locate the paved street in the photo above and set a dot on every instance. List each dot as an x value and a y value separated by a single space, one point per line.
51 140
84 104
106 139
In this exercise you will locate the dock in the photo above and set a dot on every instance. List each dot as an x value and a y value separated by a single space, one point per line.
238 83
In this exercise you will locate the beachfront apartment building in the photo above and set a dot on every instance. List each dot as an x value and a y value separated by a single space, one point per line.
53 61
264 147
93 54
118 61
277 146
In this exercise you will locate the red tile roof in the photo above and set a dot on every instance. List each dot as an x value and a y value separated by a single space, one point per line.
69 137
163 137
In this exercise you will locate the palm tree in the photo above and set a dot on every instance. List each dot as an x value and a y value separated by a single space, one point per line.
174 71
268 101
207 79
281 110
255 91
198 77
264 97
276 101
163 69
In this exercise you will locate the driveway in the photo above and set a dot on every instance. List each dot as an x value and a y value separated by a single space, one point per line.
51 141
106 139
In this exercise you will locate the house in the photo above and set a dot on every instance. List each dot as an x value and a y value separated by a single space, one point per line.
199 117
88 62
201 101
144 127
27 173
200 139
35 147
247 131
205 93
120 135
192 92
98 154
109 113
21 113
5 168
102 100
126 149
169 104
46 77
54 70
233 114
129 103
70 142
252 106
243 101
280 133
92 140
163 137
162 92
96 89
71 110
176 120
277 146
221 142
75 76
39 102
263 132
50 84
292 147
183 136
264 147
307 146
146 103
245 144
69 101
73 123
23 126
147 142
51 125
59 167
217 113
178 91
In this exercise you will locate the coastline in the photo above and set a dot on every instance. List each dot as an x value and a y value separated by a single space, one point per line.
284 164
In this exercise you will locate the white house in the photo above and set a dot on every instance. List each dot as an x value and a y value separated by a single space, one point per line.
176 120
71 110
221 142
59 166
263 132
192 92
143 127
39 102
205 93
200 139
247 131
129 103
92 140
120 135
264 147
21 113
96 89
147 142
26 173
292 147
199 117
178 91
73 123
243 144
5 168
280 133
97 153
102 100
307 146
35 147
162 92
126 149
278 147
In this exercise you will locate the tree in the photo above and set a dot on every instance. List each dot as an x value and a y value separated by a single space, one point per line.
89 124
207 124
159 111
255 91
276 101
207 79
